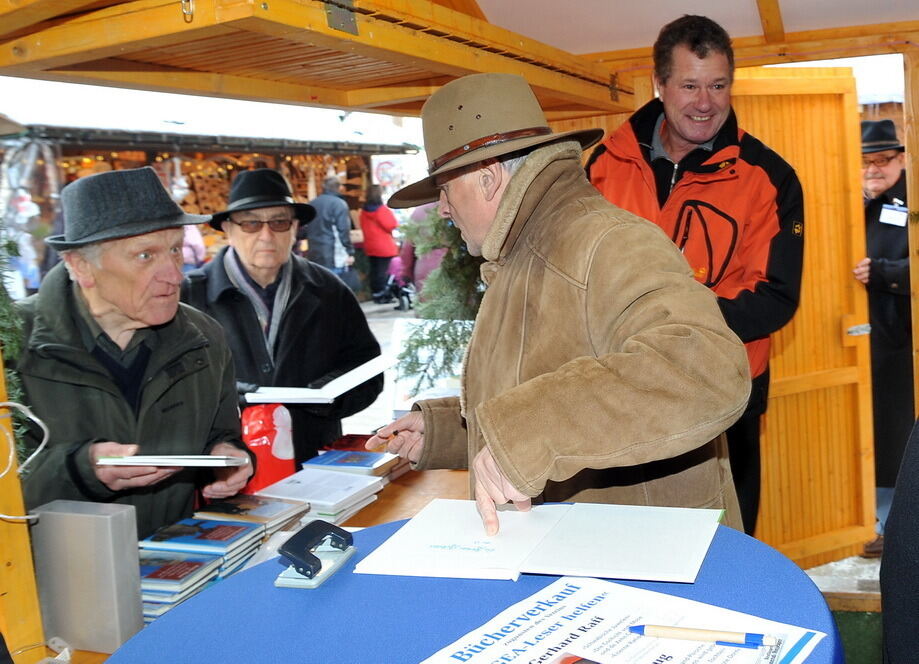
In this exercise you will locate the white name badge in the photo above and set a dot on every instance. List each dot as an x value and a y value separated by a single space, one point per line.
894 215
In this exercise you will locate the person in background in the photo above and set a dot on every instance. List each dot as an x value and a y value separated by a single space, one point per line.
900 563
329 236
733 207
885 274
415 267
288 321
598 370
193 249
378 222
115 366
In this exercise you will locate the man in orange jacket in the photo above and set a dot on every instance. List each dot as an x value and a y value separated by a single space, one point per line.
732 205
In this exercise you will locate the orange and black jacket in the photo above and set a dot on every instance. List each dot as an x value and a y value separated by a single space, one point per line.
736 212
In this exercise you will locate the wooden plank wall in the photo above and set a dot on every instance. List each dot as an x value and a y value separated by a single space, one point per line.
817 501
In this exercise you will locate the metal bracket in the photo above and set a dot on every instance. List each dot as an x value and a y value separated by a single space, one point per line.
614 87
859 330
341 16
188 10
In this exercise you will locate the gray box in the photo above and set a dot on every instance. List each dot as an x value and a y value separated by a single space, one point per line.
88 573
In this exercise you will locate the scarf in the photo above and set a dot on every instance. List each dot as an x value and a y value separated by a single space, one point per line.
268 320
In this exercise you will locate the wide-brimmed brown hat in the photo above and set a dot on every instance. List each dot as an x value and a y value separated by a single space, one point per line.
480 117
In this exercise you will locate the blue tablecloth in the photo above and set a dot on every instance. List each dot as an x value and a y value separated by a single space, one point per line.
357 618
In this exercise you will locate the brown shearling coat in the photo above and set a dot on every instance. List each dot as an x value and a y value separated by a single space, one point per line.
599 370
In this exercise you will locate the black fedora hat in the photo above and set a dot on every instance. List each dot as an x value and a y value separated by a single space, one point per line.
261 188
878 135
117 204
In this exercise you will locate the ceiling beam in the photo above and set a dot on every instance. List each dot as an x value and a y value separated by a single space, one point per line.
802 46
16 14
770 17
392 95
137 76
442 41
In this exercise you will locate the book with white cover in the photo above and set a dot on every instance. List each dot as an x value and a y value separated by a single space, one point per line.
327 491
447 539
183 460
328 392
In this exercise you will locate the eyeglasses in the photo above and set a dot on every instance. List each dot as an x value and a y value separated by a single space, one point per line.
255 226
880 162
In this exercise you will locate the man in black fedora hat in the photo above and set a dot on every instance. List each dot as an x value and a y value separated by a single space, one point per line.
115 366
289 321
598 369
885 274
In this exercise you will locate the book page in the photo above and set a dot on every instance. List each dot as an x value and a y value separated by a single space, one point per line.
627 542
447 539
590 618
328 392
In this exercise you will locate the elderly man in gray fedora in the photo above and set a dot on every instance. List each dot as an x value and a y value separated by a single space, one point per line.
599 370
115 366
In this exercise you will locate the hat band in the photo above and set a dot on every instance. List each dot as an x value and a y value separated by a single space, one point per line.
278 200
876 143
487 141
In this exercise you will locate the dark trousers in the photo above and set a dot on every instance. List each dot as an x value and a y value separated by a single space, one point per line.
379 267
744 454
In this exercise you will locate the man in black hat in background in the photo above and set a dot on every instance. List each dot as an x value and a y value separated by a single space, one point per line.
885 273
114 366
289 321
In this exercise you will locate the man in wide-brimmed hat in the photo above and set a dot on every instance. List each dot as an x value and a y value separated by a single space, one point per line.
289 321
115 366
885 274
598 369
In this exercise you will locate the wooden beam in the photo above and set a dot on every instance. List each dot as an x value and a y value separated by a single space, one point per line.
20 616
443 42
796 47
911 142
770 17
16 14
138 76
371 98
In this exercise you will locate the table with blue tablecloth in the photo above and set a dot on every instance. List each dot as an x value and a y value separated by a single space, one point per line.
357 618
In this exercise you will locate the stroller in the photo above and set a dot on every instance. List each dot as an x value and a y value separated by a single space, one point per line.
396 291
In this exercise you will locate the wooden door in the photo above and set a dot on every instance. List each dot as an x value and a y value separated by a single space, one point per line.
817 441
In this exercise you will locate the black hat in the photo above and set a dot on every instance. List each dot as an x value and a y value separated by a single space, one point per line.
117 204
879 135
261 188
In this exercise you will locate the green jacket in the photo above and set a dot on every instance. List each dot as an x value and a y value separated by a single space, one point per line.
188 404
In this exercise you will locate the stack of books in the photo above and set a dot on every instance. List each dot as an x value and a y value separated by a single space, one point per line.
333 496
234 542
273 513
168 578
349 454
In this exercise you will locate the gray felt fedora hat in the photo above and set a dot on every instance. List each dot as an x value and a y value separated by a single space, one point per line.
480 117
117 204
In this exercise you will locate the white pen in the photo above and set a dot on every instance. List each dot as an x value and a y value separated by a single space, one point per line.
722 638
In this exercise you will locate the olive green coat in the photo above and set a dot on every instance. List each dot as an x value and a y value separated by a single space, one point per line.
188 403
599 370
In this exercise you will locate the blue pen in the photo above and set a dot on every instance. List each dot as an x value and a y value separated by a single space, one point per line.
721 638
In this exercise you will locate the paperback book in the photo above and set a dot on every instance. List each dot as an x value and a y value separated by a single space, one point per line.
174 571
326 491
271 512
220 538
354 461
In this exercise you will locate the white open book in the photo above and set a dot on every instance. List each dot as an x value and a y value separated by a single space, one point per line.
447 539
328 392
172 460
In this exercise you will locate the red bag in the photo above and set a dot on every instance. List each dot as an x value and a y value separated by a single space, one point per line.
267 432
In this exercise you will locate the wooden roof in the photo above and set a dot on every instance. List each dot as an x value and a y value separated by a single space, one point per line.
390 55
384 55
